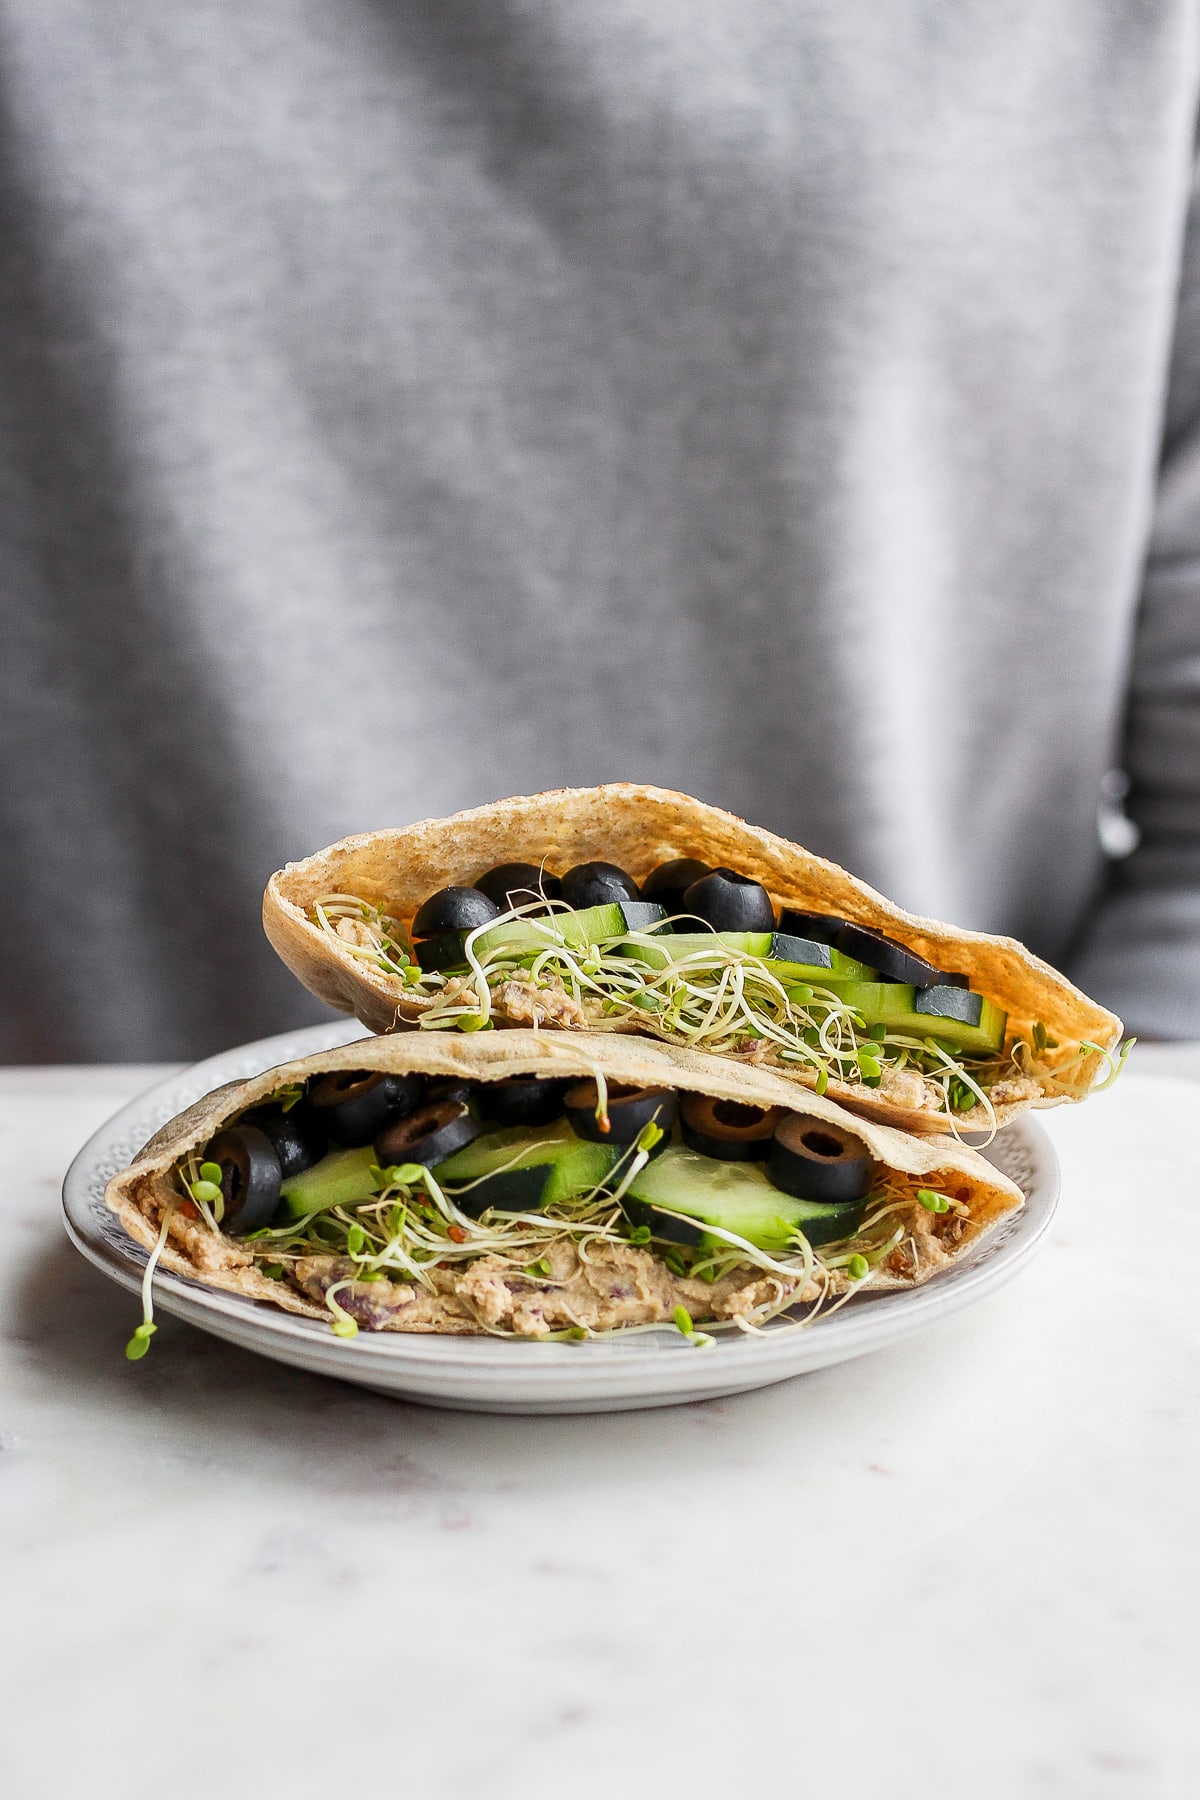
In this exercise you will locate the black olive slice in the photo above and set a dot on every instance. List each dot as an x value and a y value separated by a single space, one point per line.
671 880
660 1224
629 1110
726 1129
449 1087
942 1001
824 927
891 959
730 902
522 1100
428 1136
296 1137
250 1177
597 884
952 978
354 1107
453 909
817 1161
518 884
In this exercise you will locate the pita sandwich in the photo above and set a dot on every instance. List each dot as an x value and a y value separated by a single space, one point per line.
965 1031
595 1212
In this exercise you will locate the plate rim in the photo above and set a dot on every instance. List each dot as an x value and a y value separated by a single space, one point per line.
656 1362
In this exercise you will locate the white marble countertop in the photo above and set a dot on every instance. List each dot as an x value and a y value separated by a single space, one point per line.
966 1567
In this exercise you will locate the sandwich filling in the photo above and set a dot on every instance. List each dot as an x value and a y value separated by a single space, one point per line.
893 1029
539 1208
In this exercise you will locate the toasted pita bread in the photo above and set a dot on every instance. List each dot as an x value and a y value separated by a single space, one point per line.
141 1193
638 828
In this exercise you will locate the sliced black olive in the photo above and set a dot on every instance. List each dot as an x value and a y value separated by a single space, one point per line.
250 1177
428 1136
727 1129
453 909
297 1138
730 902
892 960
354 1107
449 1087
817 1161
671 880
942 1001
824 927
518 884
522 1100
597 884
629 1110
661 1225
952 978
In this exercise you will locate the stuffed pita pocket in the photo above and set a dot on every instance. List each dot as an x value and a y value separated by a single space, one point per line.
906 1020
533 1185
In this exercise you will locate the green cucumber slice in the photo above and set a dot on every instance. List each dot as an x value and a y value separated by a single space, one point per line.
844 968
341 1179
892 1003
736 1197
517 1169
762 944
526 937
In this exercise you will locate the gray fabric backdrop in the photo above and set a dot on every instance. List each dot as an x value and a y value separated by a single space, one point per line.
406 402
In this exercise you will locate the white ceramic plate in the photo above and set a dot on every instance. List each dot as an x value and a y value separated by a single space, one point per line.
494 1375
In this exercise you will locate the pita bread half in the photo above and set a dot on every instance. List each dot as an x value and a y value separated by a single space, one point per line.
638 828
140 1194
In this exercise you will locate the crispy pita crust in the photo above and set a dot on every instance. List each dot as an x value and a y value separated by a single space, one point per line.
139 1194
639 827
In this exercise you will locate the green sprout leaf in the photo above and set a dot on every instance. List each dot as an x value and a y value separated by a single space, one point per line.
640 1234
139 1343
473 1022
345 1327
207 1191
211 1171
648 1136
934 1203
683 1321
857 1267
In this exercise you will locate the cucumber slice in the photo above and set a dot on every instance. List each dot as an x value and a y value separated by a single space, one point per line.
340 1179
767 945
949 1002
525 937
842 968
893 1003
735 1196
519 1170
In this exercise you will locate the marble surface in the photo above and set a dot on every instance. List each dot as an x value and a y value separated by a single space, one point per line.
964 1566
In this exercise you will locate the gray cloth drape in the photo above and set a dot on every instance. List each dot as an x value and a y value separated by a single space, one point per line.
406 402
